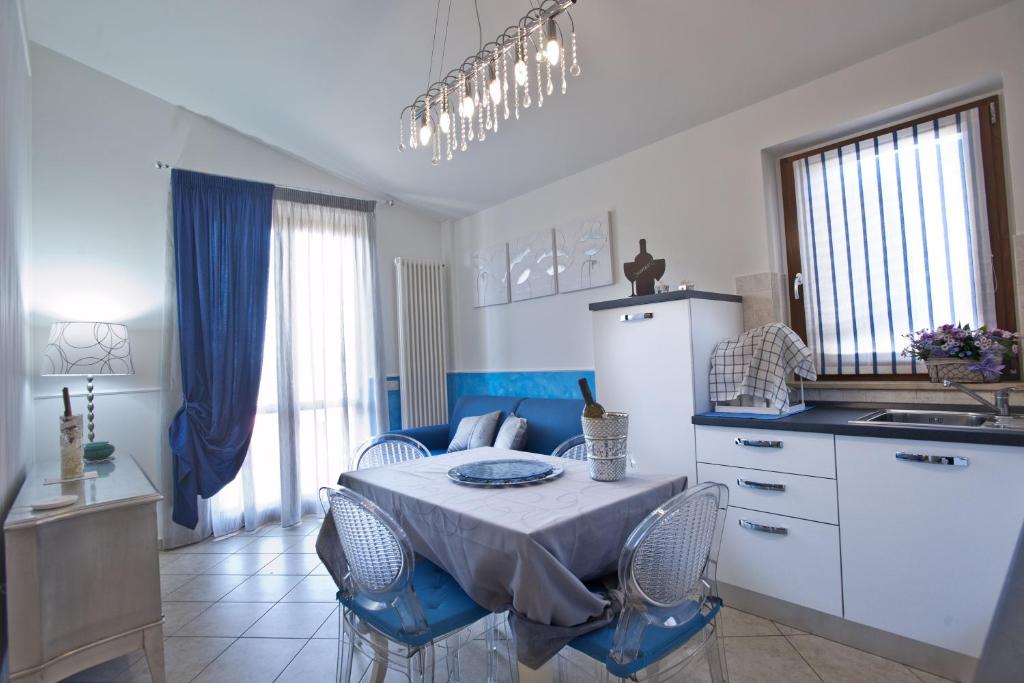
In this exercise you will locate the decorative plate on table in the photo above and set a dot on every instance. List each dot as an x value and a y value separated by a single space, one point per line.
512 472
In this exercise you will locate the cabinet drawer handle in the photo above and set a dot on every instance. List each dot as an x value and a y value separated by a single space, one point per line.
757 443
952 460
636 317
761 485
764 528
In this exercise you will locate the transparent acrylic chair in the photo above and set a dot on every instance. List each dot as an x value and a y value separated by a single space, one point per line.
670 607
574 448
389 449
394 608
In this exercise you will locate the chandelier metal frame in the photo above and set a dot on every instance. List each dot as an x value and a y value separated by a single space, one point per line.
464 95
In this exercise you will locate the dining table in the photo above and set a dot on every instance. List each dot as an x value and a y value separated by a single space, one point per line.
530 549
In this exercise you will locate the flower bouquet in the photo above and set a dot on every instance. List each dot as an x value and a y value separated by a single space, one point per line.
960 354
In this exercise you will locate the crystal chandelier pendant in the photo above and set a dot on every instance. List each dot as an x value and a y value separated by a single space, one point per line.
401 134
538 58
574 70
412 129
561 69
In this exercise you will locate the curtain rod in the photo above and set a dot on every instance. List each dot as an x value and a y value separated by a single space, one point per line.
164 166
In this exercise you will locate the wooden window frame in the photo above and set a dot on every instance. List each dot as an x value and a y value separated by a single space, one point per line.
991 140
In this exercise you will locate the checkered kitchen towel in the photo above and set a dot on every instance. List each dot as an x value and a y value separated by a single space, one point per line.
757 363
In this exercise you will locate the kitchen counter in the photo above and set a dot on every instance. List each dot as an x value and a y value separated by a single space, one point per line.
835 419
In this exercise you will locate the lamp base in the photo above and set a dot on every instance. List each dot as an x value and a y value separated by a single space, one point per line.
98 450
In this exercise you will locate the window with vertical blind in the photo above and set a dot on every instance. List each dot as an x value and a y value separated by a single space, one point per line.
897 230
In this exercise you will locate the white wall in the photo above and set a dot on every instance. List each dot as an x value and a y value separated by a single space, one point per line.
101 230
15 249
701 197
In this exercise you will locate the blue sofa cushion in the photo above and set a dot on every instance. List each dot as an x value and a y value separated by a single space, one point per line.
551 421
481 405
445 605
655 644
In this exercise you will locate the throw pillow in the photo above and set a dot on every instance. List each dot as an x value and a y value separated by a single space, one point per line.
475 432
512 434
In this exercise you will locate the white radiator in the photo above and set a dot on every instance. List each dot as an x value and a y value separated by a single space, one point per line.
422 341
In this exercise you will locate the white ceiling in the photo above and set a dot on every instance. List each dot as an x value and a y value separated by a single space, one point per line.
326 79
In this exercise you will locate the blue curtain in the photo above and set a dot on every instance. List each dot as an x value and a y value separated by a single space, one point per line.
222 259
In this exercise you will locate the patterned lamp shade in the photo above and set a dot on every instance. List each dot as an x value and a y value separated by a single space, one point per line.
76 348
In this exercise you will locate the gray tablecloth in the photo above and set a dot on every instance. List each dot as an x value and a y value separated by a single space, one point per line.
528 549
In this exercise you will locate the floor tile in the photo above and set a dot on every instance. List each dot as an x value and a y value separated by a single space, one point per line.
314 589
929 678
305 544
206 588
271 544
300 529
252 660
329 630
193 564
243 564
291 620
789 630
320 570
262 588
177 614
184 658
837 663
765 659
226 619
230 544
166 558
737 623
172 582
296 564
107 671
316 662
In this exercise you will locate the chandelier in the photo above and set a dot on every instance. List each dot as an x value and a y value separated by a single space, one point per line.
529 58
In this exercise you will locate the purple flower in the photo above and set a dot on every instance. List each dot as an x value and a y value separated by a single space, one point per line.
989 366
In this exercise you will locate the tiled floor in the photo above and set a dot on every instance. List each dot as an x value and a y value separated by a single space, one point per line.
259 607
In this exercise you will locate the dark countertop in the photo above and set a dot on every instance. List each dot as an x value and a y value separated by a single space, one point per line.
835 419
673 295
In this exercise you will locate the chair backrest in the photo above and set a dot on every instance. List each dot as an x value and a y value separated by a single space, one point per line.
388 449
379 556
671 557
574 448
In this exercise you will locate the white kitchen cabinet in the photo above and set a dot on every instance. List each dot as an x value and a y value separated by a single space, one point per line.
652 361
768 449
790 559
793 495
928 529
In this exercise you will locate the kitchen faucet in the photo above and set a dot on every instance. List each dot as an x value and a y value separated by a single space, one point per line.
1001 406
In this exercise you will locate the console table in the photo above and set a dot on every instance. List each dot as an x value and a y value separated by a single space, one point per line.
83 581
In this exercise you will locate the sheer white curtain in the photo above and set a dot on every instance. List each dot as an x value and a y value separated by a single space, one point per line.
321 391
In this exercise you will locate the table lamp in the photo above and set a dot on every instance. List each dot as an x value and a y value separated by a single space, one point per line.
89 349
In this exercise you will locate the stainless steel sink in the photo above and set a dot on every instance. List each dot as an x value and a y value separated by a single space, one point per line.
944 419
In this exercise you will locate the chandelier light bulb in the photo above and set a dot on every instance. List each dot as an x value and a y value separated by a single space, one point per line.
521 71
425 129
552 48
445 121
493 84
468 106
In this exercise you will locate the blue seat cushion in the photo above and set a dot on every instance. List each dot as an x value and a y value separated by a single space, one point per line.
656 643
445 605
549 422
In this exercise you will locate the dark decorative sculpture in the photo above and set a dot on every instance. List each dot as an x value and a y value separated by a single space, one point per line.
643 271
